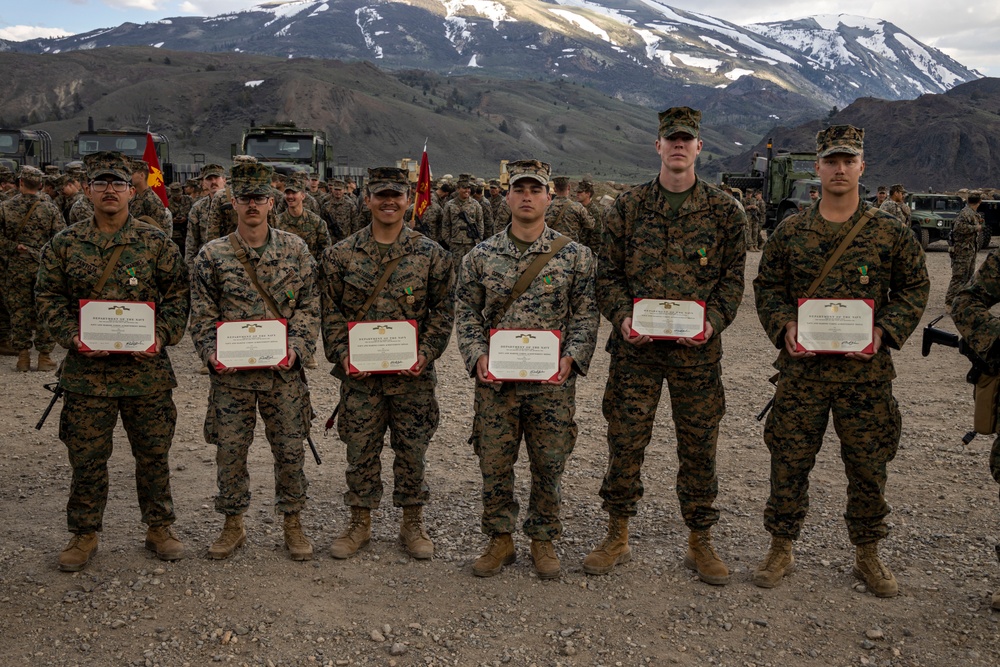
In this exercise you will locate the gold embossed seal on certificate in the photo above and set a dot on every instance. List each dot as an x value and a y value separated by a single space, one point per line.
668 319
524 355
836 326
118 327
250 344
388 346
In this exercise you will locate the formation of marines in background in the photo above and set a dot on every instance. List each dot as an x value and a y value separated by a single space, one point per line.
248 243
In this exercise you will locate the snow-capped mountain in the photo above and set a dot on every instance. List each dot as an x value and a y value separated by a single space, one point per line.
638 50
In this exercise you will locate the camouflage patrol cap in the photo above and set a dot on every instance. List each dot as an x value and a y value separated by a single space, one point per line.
585 186
560 182
139 165
111 163
211 170
464 180
337 184
494 183
883 188
52 170
381 179
30 173
840 139
295 182
897 187
535 169
6 175
174 187
244 159
680 119
250 179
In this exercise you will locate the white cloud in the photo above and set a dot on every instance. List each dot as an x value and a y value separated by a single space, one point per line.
20 33
148 5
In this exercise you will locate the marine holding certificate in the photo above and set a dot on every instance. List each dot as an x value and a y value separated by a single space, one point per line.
387 316
555 318
876 286
256 283
112 256
677 243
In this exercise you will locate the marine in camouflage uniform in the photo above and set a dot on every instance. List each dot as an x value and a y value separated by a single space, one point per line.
981 330
72 192
213 178
7 190
418 289
585 196
340 213
895 206
99 386
429 223
306 225
753 221
180 207
462 223
675 237
884 263
561 297
26 224
146 203
570 217
222 291
965 230
488 227
82 209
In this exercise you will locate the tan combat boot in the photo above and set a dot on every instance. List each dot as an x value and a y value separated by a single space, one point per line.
298 545
415 540
869 569
543 555
778 562
45 362
614 550
162 541
701 558
499 553
356 536
233 536
23 361
77 553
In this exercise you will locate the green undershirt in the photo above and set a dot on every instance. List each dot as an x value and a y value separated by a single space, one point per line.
676 199
522 246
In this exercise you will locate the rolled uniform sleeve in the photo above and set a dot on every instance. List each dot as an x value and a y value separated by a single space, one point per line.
971 309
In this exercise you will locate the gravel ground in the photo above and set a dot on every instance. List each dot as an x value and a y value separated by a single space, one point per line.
381 608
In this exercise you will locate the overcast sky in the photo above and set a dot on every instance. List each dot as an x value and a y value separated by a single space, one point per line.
968 31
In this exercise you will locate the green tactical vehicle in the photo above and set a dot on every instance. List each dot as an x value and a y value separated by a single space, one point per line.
778 177
931 215
288 148
25 147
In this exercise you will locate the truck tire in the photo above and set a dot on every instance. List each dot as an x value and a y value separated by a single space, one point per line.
925 237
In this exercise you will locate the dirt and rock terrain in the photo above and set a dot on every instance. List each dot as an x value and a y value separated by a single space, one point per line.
381 608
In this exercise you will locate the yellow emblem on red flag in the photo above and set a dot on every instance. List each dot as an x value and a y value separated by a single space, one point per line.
155 179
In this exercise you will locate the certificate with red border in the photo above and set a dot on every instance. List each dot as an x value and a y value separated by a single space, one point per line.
836 326
118 327
524 355
668 319
251 344
387 346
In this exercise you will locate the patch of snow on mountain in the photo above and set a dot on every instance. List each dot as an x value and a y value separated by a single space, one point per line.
494 11
926 63
319 10
722 46
825 47
364 17
583 23
284 31
876 44
697 61
663 27
457 31
157 45
253 84
738 72
283 9
473 62
714 25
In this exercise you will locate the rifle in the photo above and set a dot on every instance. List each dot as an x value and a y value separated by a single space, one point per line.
471 229
979 368
57 393
312 446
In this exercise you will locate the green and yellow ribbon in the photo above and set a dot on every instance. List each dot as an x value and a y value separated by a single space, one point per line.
409 290
548 280
131 271
290 293
702 252
863 270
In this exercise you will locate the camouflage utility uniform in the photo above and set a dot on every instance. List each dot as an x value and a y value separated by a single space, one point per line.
884 263
419 289
222 291
81 209
22 267
572 219
99 389
965 230
898 210
309 227
652 251
457 229
180 208
212 217
147 204
341 217
560 297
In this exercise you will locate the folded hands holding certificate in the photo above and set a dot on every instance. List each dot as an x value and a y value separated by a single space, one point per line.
836 326
383 347
252 344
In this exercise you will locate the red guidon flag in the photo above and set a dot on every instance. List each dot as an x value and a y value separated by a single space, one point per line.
423 199
155 178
